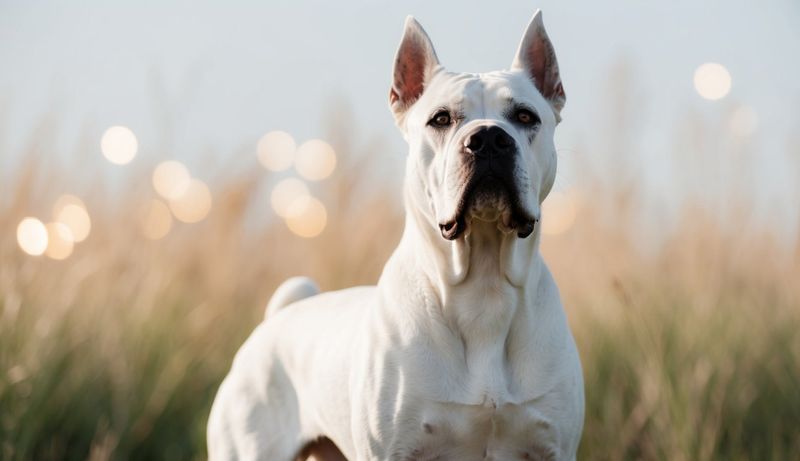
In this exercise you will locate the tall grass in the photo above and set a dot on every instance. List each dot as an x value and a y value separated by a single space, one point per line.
689 344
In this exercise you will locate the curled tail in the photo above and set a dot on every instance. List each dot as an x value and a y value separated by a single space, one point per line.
290 291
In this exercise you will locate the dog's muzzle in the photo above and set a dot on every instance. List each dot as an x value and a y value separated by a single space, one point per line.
489 154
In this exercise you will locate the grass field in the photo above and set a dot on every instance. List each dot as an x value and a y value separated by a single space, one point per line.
689 341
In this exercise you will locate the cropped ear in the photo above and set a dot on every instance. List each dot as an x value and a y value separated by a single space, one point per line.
414 64
537 58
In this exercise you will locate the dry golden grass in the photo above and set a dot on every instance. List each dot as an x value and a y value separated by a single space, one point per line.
689 343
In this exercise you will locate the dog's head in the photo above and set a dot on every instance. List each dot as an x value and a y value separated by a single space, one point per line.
481 144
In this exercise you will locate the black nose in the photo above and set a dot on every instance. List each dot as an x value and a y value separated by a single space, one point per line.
489 140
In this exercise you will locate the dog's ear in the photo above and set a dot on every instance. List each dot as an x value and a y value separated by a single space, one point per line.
537 57
414 64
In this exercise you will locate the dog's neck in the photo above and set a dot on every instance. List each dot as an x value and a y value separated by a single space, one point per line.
483 252
477 282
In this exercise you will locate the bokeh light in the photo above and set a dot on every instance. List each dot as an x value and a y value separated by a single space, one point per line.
712 81
276 150
743 121
32 236
315 160
156 220
70 211
171 179
306 217
119 145
60 241
194 204
558 213
285 193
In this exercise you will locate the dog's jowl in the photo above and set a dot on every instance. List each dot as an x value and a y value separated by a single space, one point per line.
462 350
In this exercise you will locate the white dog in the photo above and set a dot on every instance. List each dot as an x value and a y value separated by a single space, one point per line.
462 351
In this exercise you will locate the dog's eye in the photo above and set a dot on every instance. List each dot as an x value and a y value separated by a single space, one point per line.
526 117
441 119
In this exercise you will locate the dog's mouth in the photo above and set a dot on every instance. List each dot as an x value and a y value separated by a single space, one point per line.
490 199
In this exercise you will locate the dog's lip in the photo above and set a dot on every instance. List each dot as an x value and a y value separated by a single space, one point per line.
453 229
523 223
517 218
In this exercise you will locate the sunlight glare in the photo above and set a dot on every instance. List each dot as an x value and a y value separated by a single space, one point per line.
60 241
32 236
712 81
315 160
285 193
276 150
71 211
306 217
119 145
171 179
194 204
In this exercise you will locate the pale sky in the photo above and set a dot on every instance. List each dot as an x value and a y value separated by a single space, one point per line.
195 76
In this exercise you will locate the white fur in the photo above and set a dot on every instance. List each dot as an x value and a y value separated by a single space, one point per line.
462 350
291 291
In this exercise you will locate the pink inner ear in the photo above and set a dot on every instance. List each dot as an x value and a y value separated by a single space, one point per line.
409 76
537 58
543 68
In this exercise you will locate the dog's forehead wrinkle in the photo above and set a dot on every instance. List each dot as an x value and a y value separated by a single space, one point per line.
474 103
480 95
445 91
518 86
493 94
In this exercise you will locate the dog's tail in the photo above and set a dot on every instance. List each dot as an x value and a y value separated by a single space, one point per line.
290 291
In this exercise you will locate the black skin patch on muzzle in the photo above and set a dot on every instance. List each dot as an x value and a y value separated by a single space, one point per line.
488 175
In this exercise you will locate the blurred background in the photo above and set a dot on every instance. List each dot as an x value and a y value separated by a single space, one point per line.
165 165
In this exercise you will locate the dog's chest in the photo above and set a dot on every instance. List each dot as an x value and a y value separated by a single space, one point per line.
484 417
450 431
